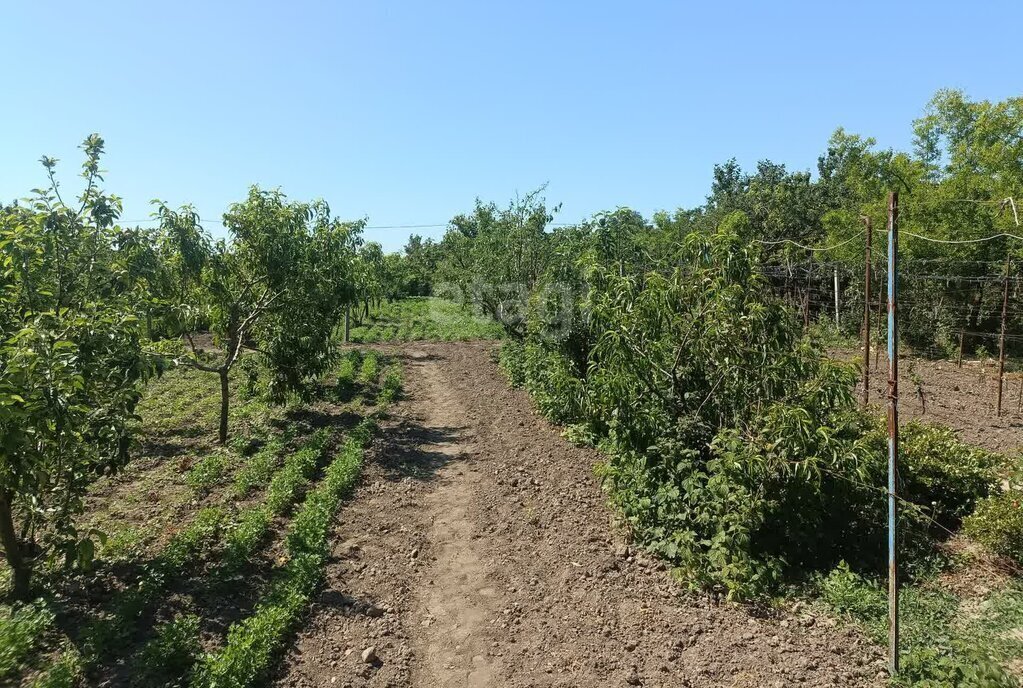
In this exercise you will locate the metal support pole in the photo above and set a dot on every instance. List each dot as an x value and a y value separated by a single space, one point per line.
893 432
1001 339
866 317
962 345
348 323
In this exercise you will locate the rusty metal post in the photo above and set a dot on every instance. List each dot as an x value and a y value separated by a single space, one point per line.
962 345
893 432
866 317
348 323
1001 340
880 306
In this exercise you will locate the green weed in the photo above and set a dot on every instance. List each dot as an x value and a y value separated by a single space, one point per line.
369 371
252 643
392 385
21 629
941 646
167 659
258 468
209 471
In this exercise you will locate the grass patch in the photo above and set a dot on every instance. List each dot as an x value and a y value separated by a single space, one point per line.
21 629
943 644
425 318
66 672
107 634
209 471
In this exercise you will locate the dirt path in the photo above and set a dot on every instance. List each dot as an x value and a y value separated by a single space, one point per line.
477 551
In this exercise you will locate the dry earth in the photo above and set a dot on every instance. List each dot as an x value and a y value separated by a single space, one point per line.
478 551
963 399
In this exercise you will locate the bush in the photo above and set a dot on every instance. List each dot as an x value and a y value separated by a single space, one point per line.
942 474
998 523
735 447
512 359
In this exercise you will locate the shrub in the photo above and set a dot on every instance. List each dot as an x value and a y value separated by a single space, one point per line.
735 447
942 474
998 523
512 359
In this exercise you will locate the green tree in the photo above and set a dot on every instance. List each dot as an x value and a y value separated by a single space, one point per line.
278 286
496 256
71 364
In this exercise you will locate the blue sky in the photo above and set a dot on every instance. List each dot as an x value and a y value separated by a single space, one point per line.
404 112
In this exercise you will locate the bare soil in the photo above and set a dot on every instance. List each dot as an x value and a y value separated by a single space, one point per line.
963 399
478 551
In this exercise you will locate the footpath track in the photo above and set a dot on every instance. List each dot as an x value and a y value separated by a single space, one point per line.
477 550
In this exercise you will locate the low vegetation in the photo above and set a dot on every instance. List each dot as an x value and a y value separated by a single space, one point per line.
150 622
424 318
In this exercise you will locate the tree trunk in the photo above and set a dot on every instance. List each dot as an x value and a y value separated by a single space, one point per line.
12 549
223 405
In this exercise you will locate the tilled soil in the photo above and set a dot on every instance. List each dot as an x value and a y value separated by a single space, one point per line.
478 551
963 399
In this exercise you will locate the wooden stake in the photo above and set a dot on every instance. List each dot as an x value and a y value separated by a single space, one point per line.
1001 339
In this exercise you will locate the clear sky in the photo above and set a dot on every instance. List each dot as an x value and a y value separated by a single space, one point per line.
404 112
